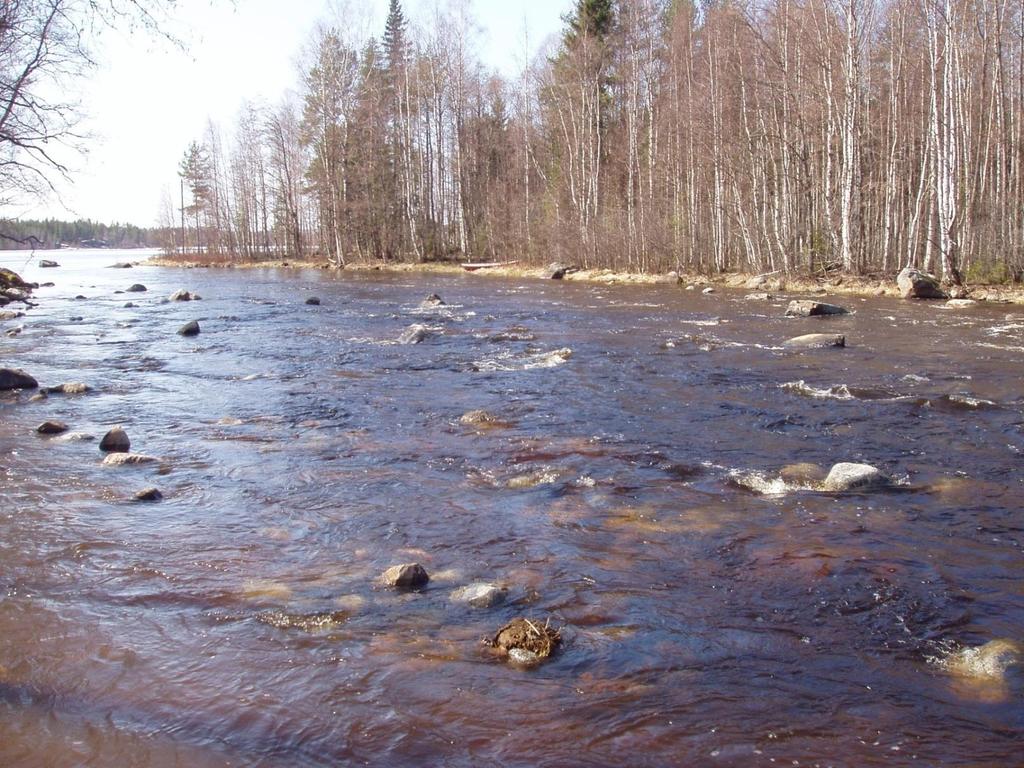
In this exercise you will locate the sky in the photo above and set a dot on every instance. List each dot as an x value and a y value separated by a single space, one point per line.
147 99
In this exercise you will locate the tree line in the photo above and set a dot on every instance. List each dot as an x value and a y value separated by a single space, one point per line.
811 136
52 233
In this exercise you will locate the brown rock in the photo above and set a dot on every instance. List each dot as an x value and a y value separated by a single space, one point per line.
52 428
116 441
813 309
816 341
15 378
408 576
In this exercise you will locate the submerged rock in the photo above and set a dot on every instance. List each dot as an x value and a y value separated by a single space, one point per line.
433 300
116 441
69 388
915 284
481 418
986 662
313 301
122 459
960 303
191 328
149 494
15 378
39 396
307 622
847 476
407 576
816 341
813 309
414 334
76 437
52 428
526 642
480 595
758 297
803 473
121 265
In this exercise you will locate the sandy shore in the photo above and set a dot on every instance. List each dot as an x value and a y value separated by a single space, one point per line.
771 283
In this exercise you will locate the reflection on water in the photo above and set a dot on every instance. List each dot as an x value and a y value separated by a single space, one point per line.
241 620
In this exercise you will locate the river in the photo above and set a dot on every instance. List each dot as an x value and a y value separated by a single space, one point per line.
241 620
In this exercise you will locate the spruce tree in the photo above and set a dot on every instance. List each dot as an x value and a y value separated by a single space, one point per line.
591 18
394 36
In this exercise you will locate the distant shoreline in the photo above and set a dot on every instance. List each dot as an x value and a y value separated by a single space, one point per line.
774 283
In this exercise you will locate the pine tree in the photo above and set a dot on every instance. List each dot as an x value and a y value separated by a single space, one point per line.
394 36
592 19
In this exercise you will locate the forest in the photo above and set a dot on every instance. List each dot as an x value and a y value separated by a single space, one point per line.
53 233
798 136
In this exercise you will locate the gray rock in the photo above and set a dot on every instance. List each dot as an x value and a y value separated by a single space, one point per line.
313 301
414 334
915 284
183 295
16 331
10 315
130 305
758 297
960 303
121 265
556 271
481 595
191 328
813 309
15 378
116 441
409 575
52 428
149 494
816 341
433 300
708 291
137 288
847 476
39 396
47 264
123 459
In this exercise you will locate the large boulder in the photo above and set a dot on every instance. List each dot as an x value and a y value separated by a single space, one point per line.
813 309
11 279
847 476
15 378
815 341
191 328
183 295
915 284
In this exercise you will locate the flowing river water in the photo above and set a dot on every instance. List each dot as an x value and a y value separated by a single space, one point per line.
629 492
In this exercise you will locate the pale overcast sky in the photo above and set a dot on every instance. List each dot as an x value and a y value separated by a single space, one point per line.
148 100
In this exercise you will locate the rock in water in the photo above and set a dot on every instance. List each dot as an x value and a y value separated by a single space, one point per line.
183 295
816 341
986 662
191 328
313 301
15 378
915 284
121 459
47 264
11 279
52 428
557 271
433 300
407 576
414 334
847 476
480 595
137 288
116 441
70 388
525 641
814 308
149 494
9 315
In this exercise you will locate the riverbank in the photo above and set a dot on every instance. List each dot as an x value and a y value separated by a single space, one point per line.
852 285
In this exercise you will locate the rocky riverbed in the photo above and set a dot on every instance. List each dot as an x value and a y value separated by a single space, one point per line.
557 521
